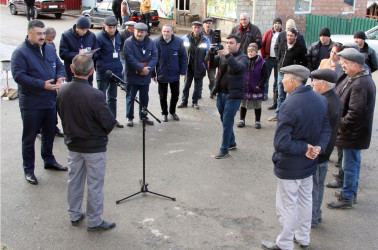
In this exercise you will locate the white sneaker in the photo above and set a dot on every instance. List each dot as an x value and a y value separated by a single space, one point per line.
129 122
273 119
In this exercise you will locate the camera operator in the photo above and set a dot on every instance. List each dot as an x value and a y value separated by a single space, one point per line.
229 85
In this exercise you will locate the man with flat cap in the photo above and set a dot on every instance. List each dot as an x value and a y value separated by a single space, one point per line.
323 83
197 46
141 58
210 34
109 41
77 40
302 132
357 93
369 52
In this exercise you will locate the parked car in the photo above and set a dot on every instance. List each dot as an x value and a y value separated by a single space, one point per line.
371 38
42 7
104 9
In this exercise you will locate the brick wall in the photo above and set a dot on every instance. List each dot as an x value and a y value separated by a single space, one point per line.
285 9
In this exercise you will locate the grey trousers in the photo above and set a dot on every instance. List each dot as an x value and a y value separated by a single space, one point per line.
82 167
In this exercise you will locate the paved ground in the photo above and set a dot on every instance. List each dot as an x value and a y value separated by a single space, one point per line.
221 204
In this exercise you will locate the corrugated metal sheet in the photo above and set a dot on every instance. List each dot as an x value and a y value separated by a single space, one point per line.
314 23
73 4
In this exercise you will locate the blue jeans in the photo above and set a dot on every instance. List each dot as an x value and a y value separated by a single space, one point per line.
318 191
109 88
124 20
197 87
30 12
271 63
352 167
281 93
227 109
143 98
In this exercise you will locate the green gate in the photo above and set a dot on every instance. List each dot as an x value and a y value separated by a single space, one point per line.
337 25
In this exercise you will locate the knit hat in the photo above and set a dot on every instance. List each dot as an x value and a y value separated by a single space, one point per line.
352 55
290 24
277 20
360 34
253 46
325 32
83 23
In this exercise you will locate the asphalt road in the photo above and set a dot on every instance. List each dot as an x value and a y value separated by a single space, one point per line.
221 204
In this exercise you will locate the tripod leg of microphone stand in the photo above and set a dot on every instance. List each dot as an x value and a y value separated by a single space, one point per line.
171 198
128 197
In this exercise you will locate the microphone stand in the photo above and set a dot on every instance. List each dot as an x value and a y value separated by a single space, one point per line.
144 112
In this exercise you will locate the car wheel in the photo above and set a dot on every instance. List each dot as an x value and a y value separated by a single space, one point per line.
58 15
13 10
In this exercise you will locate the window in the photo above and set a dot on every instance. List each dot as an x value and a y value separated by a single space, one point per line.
348 6
182 4
302 6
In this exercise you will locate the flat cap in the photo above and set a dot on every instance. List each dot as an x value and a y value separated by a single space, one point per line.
297 70
325 74
352 55
110 21
130 23
207 20
141 26
351 45
197 23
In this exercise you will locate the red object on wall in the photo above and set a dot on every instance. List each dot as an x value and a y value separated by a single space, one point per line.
72 4
4 2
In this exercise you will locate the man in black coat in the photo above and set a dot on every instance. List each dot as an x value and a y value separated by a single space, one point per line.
230 86
248 32
323 83
320 50
210 34
357 92
369 53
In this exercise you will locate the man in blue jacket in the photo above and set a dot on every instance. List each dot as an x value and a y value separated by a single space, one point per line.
302 132
77 40
141 58
172 63
107 58
197 46
39 73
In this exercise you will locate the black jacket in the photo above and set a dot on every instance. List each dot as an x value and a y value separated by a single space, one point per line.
252 35
29 2
233 67
116 6
282 37
335 107
302 120
86 118
294 55
357 94
370 57
71 43
313 55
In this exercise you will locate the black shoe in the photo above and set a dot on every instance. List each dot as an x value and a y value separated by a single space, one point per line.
221 155
273 107
302 246
77 222
211 96
269 245
104 226
341 203
58 132
118 125
334 184
196 106
56 166
182 105
232 147
29 177
338 192
164 118
148 121
175 117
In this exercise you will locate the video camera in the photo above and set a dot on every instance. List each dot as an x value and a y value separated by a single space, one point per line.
218 42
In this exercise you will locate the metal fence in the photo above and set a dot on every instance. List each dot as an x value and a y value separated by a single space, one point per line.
337 25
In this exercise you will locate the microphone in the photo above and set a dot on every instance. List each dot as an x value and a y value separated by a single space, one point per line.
115 78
